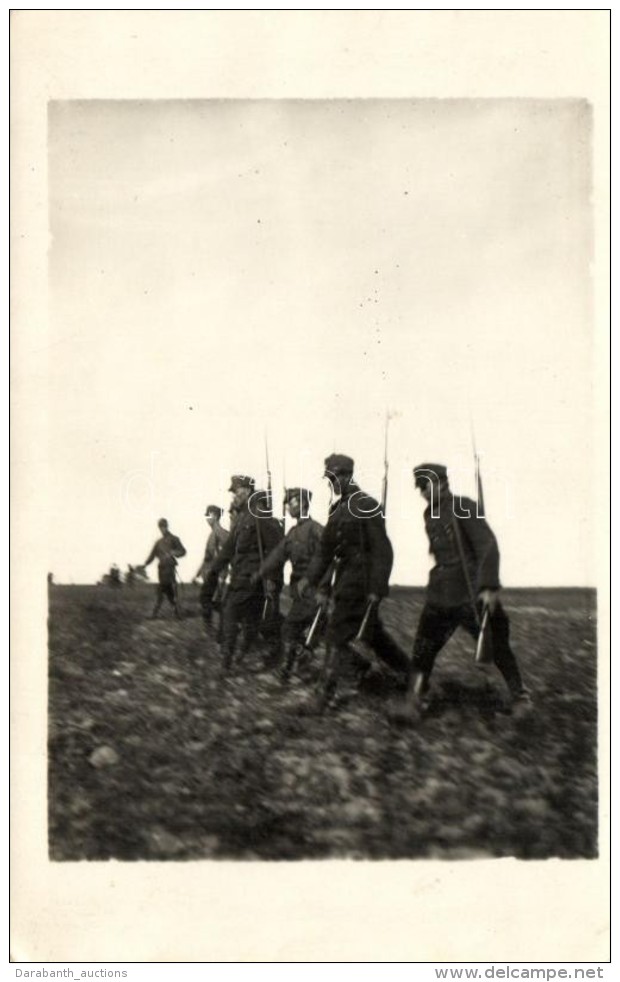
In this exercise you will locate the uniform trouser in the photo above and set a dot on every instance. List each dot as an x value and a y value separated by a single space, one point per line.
207 592
294 632
344 625
270 625
295 628
298 620
438 624
166 588
244 613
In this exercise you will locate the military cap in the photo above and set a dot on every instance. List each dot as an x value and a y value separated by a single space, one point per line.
213 510
241 481
423 472
301 493
339 463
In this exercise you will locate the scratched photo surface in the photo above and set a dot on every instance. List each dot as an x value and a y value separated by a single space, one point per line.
244 287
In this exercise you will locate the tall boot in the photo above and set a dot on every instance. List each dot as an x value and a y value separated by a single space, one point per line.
275 656
288 661
410 708
328 681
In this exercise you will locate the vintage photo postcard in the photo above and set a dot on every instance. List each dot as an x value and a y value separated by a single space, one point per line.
310 426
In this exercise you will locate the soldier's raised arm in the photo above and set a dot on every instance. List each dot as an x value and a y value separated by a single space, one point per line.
152 555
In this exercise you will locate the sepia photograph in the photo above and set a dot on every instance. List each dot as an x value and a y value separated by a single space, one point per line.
332 343
321 469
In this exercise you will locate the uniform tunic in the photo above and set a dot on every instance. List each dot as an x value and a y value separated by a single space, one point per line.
300 546
250 539
166 550
458 535
355 540
448 585
215 544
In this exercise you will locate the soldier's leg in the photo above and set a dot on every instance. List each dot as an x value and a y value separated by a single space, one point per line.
503 655
159 596
207 591
435 628
166 589
388 650
250 617
173 596
271 632
327 685
204 599
293 633
230 631
342 627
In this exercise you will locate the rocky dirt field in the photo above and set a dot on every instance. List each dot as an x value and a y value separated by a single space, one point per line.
152 757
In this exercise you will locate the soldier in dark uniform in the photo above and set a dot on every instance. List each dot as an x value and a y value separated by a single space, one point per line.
166 550
270 624
254 535
464 580
355 544
301 544
212 583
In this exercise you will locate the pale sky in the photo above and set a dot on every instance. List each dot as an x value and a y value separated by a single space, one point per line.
219 269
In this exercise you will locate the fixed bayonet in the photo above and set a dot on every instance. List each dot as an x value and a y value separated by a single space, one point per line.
313 628
384 488
362 631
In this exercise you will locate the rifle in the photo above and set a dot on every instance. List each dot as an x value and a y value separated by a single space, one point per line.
369 609
483 656
269 491
359 637
261 554
384 487
329 576
484 652
484 648
479 492
284 498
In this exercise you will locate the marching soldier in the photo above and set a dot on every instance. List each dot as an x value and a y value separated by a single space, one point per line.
355 543
248 602
166 550
301 544
212 583
463 584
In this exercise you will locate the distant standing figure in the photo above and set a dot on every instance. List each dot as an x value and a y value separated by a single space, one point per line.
463 582
211 580
166 550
